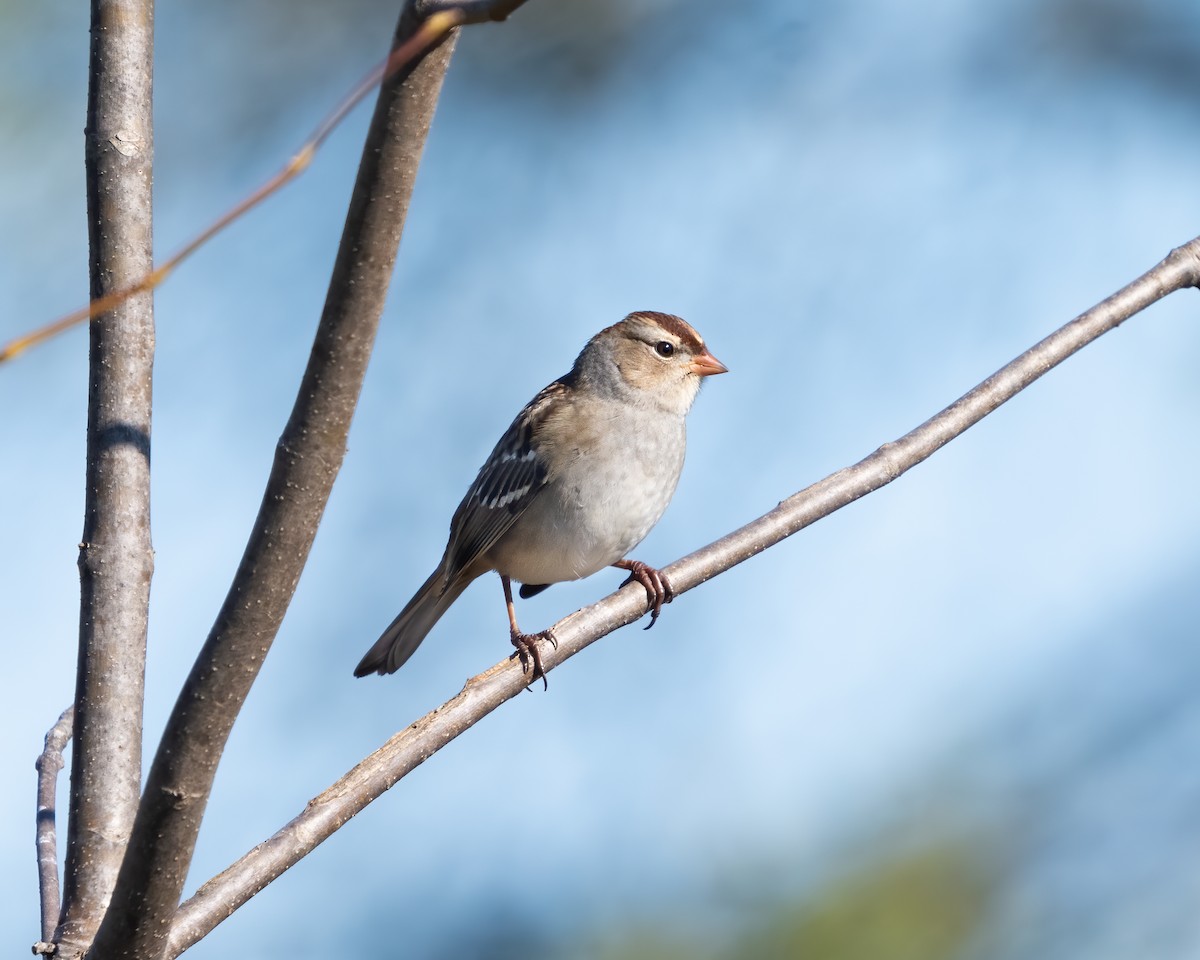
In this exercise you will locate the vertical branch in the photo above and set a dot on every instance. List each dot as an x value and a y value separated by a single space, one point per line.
307 459
48 764
115 559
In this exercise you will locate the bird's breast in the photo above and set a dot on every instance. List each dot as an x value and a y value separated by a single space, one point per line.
610 489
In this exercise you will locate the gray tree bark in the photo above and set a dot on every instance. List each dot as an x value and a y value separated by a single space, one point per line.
48 766
115 556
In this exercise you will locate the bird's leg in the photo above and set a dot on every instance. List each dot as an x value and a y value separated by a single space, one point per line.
658 587
526 643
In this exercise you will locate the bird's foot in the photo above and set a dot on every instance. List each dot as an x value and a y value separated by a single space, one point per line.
530 655
658 587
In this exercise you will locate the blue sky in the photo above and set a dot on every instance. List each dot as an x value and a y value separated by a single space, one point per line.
865 210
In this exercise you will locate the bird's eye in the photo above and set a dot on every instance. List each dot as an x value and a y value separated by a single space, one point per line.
664 348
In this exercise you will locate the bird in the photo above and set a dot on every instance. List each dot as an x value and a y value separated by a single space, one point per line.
578 479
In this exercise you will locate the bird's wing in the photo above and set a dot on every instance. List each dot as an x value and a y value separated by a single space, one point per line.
507 483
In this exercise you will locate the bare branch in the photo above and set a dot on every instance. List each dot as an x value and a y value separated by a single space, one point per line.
307 459
48 765
115 557
223 894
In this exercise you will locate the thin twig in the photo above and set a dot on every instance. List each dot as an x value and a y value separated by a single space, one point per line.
325 814
438 19
48 765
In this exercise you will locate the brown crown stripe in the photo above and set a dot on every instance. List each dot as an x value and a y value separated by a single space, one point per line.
673 325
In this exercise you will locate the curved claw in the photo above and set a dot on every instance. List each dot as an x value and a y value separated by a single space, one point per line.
657 586
527 650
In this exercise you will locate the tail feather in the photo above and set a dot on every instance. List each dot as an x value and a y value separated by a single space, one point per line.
406 632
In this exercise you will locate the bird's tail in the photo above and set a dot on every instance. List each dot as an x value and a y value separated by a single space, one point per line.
409 628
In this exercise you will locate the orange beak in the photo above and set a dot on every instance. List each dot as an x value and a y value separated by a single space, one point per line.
706 365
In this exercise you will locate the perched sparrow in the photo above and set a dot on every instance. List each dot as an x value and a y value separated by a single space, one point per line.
581 476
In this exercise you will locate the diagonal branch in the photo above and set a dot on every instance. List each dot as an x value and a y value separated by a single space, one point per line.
115 556
48 765
325 814
307 459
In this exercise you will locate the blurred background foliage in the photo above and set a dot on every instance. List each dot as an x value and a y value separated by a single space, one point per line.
957 720
925 905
